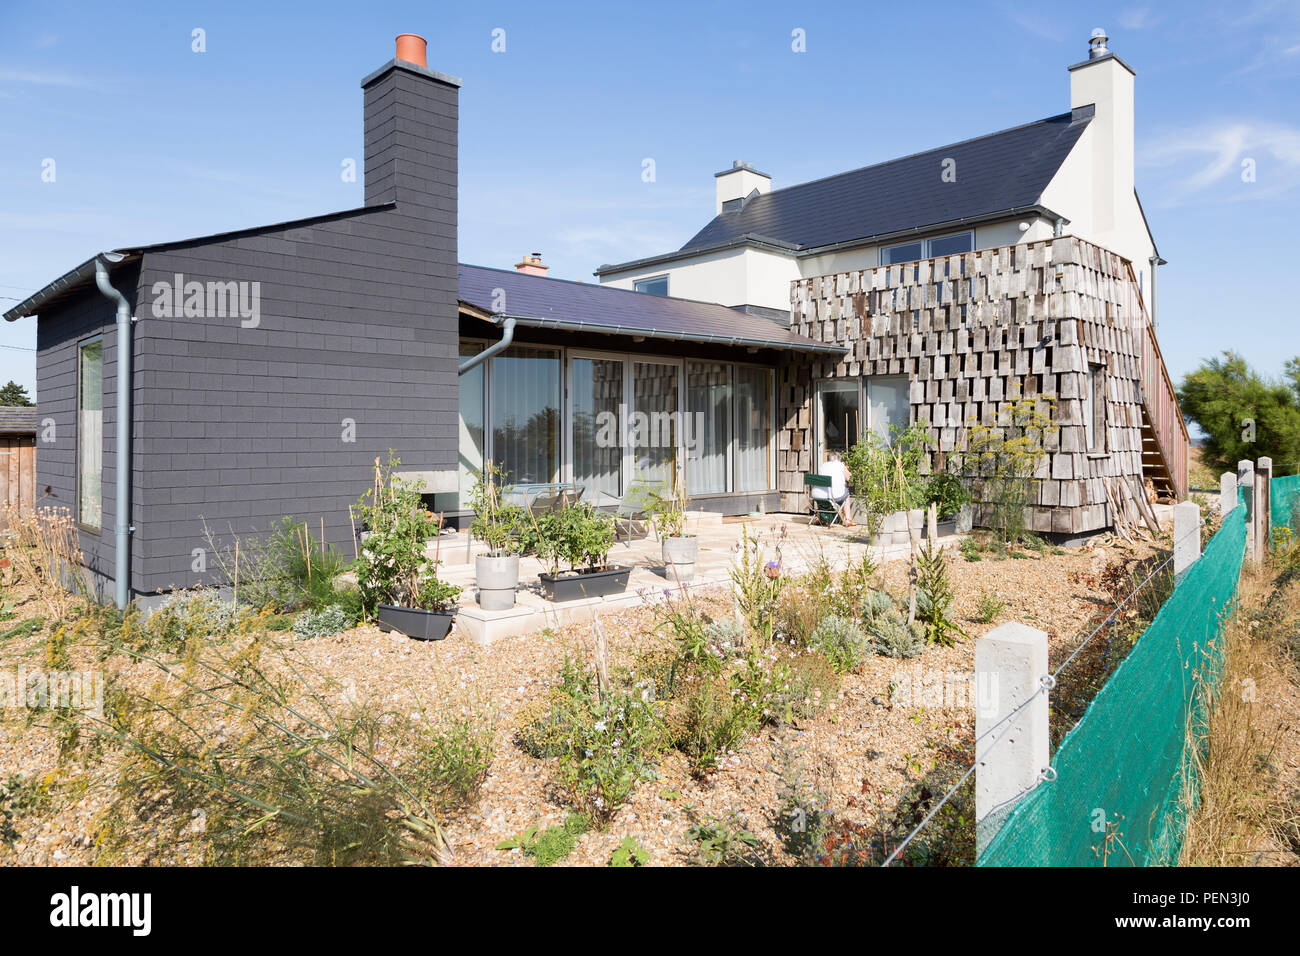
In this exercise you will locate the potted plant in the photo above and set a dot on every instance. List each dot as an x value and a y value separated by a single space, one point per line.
666 507
952 501
398 581
579 536
500 526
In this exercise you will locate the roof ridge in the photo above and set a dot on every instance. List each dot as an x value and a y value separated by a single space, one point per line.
921 152
599 285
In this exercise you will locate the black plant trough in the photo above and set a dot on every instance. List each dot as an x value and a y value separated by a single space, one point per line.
586 583
415 622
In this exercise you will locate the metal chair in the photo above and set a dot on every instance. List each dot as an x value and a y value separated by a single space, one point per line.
824 511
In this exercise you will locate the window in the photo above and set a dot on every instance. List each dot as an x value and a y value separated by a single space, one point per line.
889 406
654 421
1094 410
90 435
753 401
471 450
525 414
708 427
598 427
655 286
837 414
928 248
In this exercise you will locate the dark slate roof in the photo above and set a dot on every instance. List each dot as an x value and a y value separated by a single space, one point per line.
17 419
995 173
586 307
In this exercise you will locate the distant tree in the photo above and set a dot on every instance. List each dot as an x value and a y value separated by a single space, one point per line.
1244 415
15 394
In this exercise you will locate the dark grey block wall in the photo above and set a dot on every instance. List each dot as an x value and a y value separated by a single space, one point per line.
353 353
59 334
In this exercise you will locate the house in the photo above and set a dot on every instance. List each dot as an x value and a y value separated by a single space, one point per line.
201 389
1072 172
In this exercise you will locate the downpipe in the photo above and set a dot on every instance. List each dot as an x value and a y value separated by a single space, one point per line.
122 448
507 336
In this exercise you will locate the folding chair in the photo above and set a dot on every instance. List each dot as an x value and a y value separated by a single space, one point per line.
824 511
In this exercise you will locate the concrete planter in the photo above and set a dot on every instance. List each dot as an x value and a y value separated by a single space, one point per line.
893 527
415 622
496 576
585 583
679 554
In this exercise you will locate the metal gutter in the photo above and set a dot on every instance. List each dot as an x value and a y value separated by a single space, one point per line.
571 325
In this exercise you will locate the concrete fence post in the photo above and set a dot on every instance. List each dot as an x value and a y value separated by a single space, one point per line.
1246 482
1227 492
1264 489
1187 535
932 523
1011 753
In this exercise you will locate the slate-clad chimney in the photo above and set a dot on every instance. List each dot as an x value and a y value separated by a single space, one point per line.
410 138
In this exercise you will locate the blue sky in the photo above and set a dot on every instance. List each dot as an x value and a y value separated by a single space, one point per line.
152 141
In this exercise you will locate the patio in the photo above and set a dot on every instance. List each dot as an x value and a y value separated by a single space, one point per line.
719 537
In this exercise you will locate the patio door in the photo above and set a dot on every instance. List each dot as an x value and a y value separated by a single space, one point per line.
653 432
597 386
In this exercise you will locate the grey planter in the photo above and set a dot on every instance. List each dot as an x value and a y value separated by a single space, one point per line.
496 576
597 582
415 622
679 556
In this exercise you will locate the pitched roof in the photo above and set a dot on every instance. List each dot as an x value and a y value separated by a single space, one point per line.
586 307
998 173
18 419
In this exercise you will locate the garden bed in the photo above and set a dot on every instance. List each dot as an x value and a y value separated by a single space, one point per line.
865 753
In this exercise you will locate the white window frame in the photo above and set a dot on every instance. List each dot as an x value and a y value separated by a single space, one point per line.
636 284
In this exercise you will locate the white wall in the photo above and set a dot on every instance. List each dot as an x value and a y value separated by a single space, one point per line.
740 276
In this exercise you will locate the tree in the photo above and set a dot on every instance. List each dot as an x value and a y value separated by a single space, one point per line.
15 394
1244 415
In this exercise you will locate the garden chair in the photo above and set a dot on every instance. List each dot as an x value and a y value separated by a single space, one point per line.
630 518
824 511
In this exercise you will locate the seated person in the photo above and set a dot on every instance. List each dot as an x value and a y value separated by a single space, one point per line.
838 473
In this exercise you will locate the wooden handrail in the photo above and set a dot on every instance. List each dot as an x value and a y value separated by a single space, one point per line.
1160 399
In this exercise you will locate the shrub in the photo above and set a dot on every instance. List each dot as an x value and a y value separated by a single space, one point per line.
18 797
629 853
990 607
546 727
706 721
503 527
451 762
724 842
602 761
551 845
887 471
576 535
324 623
184 616
811 684
1003 459
934 598
892 636
842 642
757 587
394 568
948 493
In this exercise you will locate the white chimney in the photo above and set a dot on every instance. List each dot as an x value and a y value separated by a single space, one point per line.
737 183
1106 82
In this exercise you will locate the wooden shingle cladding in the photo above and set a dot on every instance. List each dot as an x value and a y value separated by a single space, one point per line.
1036 317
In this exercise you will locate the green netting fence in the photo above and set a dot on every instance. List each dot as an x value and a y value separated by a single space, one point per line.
1118 798
1285 497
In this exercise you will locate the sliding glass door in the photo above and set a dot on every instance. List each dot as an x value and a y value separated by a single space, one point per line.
525 411
598 422
753 401
708 427
654 426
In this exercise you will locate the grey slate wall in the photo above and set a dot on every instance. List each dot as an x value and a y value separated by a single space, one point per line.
59 334
244 424
237 424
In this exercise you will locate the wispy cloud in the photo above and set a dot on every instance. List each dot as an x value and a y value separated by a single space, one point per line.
1227 162
48 79
1138 18
1041 25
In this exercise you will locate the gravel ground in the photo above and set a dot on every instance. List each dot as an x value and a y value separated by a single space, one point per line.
862 752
